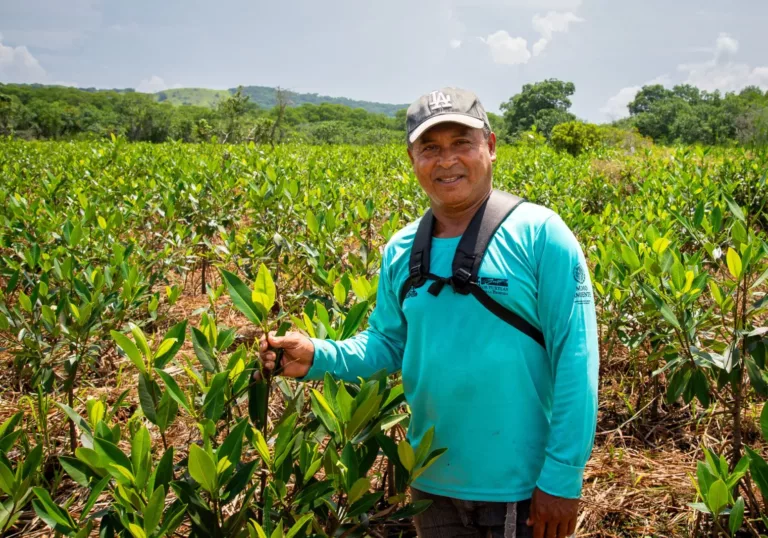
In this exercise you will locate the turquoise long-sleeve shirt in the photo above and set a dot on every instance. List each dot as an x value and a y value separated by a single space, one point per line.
512 415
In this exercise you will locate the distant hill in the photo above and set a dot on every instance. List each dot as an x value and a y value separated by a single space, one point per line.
266 97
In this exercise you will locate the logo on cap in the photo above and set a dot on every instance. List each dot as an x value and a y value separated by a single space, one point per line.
439 100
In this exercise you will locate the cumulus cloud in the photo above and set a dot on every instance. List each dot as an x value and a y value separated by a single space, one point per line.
508 50
616 107
722 72
552 23
152 85
18 65
455 43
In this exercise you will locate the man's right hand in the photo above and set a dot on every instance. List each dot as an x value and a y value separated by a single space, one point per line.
298 354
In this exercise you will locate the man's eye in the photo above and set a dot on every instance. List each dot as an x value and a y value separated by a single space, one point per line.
431 147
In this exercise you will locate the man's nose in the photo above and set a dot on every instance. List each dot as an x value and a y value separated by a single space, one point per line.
447 159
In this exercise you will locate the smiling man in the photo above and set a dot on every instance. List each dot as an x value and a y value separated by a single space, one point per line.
486 307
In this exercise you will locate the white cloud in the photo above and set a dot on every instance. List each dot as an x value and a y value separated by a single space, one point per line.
616 107
455 43
18 65
508 50
152 85
726 45
552 23
722 72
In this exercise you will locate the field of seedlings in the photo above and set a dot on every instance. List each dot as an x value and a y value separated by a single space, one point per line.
136 280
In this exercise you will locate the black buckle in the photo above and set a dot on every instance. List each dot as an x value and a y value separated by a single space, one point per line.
416 271
460 280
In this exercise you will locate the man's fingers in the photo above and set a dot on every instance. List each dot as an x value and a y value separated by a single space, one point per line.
571 527
263 345
552 530
538 528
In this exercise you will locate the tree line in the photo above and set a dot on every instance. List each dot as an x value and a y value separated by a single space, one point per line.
684 114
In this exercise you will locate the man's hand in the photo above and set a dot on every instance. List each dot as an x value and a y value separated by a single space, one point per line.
552 517
298 354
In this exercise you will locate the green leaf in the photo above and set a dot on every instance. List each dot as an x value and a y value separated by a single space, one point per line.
130 349
154 510
147 399
363 414
299 525
141 340
136 531
109 453
167 410
203 350
739 233
324 412
361 486
667 314
80 472
241 297
630 257
735 209
737 515
213 406
264 288
764 422
93 497
202 469
354 319
344 402
239 481
7 480
173 389
758 468
163 473
340 293
734 263
177 333
261 447
164 347
678 276
717 499
49 512
312 223
406 455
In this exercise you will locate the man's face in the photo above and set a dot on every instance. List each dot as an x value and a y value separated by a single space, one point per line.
453 164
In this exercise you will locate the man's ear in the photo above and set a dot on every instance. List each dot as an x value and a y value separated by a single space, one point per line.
492 146
410 155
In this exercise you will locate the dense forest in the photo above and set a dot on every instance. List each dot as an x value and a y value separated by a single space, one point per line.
683 114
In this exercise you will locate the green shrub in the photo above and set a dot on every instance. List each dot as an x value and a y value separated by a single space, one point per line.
575 137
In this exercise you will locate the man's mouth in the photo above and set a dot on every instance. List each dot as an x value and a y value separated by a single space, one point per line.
449 179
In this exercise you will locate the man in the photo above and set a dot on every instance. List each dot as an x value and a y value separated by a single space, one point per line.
517 415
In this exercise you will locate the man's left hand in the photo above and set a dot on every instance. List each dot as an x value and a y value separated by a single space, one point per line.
552 517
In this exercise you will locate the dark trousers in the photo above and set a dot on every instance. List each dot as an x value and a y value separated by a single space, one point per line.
447 518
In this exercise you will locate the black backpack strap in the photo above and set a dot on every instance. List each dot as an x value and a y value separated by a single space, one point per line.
507 315
477 236
418 265
469 257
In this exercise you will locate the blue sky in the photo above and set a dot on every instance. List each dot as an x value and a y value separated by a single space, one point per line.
390 52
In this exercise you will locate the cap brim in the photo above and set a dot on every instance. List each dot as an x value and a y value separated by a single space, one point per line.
469 121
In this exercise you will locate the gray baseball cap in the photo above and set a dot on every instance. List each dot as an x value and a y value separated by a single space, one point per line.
444 105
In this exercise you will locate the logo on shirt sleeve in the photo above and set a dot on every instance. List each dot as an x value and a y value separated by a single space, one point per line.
583 293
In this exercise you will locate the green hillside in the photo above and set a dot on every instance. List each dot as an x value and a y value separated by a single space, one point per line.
266 97
192 96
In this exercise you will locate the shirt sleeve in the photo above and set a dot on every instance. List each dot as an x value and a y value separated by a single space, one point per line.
567 314
378 347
